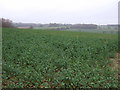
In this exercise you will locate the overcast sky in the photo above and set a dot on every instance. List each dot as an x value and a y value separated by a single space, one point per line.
60 11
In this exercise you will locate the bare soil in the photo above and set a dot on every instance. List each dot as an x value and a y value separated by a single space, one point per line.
115 64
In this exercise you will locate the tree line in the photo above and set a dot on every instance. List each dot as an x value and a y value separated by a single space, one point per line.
6 23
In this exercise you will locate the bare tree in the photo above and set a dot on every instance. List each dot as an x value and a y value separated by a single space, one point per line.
6 23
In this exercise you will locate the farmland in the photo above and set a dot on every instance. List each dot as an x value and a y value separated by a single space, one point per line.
58 59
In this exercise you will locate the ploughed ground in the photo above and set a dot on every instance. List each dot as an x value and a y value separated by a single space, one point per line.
115 64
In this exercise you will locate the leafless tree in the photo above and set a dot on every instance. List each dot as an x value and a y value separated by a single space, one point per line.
6 23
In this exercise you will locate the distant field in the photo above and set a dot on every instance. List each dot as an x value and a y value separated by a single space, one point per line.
58 59
99 30
104 31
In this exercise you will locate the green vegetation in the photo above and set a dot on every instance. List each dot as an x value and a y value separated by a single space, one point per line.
58 59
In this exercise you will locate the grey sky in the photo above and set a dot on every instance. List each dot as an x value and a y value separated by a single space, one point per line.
60 11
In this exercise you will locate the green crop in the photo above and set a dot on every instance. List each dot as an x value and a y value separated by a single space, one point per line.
58 59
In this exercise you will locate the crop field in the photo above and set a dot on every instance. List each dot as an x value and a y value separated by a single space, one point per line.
58 59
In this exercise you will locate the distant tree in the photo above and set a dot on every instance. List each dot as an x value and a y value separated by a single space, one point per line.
0 22
41 25
6 23
54 25
31 27
84 26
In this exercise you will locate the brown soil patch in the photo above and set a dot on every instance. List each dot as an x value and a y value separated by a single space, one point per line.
115 64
